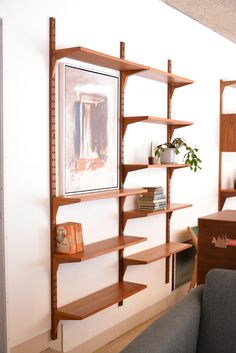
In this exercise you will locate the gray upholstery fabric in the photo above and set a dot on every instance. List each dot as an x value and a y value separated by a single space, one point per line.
218 314
175 332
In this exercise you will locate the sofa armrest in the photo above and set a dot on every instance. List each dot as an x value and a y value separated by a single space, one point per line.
175 332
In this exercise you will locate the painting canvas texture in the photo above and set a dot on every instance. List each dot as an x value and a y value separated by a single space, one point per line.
89 131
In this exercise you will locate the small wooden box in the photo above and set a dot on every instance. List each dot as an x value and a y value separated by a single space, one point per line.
69 238
216 226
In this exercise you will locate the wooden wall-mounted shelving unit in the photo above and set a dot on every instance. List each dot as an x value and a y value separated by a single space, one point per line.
119 291
227 140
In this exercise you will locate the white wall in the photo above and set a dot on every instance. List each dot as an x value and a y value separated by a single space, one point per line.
153 32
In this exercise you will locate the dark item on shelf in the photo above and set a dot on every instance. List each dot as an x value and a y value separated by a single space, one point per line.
151 160
235 183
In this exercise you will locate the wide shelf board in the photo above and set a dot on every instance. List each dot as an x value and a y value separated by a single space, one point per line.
145 213
156 120
100 248
156 253
133 167
93 303
69 199
104 60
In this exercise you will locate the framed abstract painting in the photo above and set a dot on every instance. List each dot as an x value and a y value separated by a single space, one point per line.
89 130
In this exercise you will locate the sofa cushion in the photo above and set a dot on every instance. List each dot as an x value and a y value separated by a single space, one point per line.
174 332
218 314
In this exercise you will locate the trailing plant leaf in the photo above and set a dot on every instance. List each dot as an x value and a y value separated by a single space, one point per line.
190 156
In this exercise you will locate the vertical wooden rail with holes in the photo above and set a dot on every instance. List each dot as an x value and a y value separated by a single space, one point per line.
168 172
121 162
220 153
52 161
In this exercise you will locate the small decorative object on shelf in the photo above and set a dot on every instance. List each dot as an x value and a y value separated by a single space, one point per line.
69 238
153 199
190 157
151 158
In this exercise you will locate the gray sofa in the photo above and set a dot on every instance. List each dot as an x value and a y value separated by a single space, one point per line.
203 322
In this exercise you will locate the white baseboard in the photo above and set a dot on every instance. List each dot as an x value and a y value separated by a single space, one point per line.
40 343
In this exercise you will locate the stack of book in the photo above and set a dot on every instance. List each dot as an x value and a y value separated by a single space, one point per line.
153 199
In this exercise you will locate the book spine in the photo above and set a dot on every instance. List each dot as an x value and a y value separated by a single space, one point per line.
79 237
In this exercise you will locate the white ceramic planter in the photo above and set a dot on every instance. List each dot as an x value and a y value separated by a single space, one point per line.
168 156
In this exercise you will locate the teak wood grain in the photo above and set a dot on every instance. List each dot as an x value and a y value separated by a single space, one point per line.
93 303
156 120
156 253
217 224
228 133
70 199
145 213
100 248
111 62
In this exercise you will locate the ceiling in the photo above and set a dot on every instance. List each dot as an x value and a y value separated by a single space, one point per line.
219 15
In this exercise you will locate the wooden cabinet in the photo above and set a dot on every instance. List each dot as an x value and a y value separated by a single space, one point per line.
222 226
227 138
117 292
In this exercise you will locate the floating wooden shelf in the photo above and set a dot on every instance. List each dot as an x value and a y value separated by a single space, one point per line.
93 303
145 213
156 253
100 248
231 83
66 200
229 191
108 61
156 120
132 167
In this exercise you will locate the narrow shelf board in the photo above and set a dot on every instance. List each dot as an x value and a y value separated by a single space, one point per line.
69 199
115 63
97 58
156 253
228 191
93 303
145 213
100 248
228 115
231 83
133 167
162 76
156 120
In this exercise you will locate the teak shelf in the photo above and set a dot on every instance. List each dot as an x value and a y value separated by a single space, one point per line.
156 253
122 65
93 303
227 137
116 293
70 199
174 124
171 207
100 248
133 167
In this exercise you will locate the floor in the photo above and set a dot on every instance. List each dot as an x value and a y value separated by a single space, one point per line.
117 345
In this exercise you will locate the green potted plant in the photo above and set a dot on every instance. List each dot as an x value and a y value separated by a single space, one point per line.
168 153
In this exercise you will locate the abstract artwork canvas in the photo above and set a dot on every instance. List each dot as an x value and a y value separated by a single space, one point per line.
88 136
